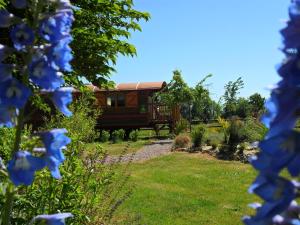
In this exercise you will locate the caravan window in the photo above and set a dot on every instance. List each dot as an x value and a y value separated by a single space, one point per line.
121 100
111 101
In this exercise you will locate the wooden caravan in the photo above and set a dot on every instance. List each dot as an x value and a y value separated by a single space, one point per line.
132 105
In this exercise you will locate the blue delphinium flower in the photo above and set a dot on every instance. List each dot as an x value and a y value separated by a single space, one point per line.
19 4
5 72
62 98
277 192
23 166
55 141
7 114
280 148
6 18
13 93
55 219
56 27
60 55
4 52
44 75
22 35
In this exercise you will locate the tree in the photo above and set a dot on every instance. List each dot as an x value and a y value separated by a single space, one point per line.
177 91
100 31
204 108
230 97
243 108
257 103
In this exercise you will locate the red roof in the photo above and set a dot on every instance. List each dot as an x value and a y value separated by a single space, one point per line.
132 86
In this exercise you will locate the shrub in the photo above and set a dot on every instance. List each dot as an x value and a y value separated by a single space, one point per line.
134 135
214 144
182 141
181 126
253 130
90 189
213 137
224 127
7 136
118 135
236 135
198 135
104 137
81 125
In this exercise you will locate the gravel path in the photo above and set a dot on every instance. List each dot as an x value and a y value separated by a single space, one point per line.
157 148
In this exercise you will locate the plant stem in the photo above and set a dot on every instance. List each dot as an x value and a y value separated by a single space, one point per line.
19 129
6 213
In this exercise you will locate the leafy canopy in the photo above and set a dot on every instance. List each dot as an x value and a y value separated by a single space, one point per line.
101 31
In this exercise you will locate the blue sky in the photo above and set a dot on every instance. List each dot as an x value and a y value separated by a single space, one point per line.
226 38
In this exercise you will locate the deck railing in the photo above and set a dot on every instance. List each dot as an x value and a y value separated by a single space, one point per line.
160 112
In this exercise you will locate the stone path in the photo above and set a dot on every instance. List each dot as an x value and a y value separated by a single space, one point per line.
155 149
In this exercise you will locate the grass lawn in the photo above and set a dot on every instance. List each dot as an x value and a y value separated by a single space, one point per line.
117 148
184 189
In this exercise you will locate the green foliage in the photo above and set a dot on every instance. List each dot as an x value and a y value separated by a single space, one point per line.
134 135
214 137
234 131
230 97
100 32
90 189
177 91
253 130
204 108
81 125
243 108
181 126
104 137
182 141
2 4
7 137
118 135
257 103
198 135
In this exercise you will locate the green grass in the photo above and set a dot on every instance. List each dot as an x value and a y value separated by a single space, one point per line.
150 133
188 189
118 148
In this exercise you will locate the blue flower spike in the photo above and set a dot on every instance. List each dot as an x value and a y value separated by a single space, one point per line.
6 18
13 93
55 142
54 219
7 115
62 98
22 35
56 27
19 4
22 167
280 148
60 55
5 72
44 75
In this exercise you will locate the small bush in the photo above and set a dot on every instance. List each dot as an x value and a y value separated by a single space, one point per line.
104 136
198 135
236 135
118 135
90 189
214 144
134 135
182 141
181 126
253 130
7 136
